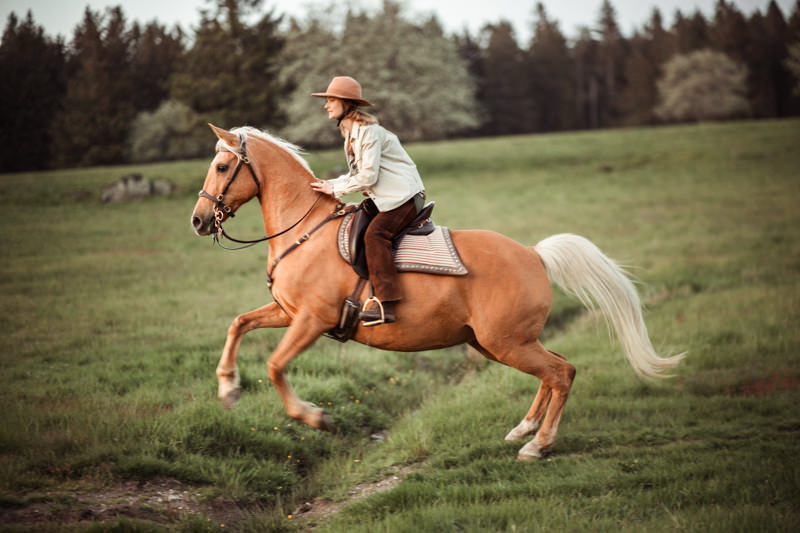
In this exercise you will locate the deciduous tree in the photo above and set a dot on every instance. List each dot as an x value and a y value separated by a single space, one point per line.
703 85
419 84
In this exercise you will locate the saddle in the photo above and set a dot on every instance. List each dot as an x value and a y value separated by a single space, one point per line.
357 227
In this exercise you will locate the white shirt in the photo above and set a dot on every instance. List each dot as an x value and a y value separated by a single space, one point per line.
381 167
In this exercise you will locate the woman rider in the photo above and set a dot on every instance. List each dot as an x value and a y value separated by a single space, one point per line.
381 168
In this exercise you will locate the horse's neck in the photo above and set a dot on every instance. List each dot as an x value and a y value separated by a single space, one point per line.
287 196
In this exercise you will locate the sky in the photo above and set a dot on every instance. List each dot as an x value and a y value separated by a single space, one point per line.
59 17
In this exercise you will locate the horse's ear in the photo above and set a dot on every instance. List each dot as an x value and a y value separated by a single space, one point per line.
229 138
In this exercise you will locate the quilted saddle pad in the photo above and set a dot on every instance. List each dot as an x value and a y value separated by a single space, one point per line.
434 253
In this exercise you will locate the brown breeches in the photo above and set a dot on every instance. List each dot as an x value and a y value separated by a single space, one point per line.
378 241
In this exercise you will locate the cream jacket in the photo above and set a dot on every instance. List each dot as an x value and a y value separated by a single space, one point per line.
380 167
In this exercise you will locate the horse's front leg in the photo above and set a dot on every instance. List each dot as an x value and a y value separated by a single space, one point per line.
269 316
305 329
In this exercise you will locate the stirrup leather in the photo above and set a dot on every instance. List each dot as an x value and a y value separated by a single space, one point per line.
380 306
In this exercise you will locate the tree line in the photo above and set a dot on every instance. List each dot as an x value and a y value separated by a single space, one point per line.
130 92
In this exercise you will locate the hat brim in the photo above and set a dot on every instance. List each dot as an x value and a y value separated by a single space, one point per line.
359 101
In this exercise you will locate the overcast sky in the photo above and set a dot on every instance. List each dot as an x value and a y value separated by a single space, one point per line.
61 16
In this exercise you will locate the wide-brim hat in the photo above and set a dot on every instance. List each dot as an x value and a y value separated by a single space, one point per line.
346 88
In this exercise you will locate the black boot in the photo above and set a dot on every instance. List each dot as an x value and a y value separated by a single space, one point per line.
375 313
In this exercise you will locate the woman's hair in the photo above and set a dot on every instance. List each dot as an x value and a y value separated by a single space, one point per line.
363 118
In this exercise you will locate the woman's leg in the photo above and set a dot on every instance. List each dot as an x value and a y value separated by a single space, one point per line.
378 242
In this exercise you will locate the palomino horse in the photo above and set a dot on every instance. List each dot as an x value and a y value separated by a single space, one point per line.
499 308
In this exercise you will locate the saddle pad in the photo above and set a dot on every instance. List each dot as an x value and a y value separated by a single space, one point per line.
434 253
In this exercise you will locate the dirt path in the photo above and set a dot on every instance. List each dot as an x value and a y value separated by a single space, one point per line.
167 501
316 512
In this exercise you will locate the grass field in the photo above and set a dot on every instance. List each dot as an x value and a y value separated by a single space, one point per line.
115 315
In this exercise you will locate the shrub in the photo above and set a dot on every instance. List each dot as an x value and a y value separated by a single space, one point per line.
173 131
702 85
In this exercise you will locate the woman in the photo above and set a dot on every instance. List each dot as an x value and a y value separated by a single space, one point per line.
381 168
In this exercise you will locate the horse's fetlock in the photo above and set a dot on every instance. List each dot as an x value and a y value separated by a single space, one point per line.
225 373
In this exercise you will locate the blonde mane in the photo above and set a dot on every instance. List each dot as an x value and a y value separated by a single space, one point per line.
292 149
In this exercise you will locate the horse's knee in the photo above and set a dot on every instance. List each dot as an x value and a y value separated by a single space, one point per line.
235 326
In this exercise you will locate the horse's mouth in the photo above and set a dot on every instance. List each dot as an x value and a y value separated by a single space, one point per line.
202 225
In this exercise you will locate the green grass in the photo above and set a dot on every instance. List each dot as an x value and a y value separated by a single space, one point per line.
115 317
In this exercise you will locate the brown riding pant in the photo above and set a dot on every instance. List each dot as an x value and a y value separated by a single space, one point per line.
378 242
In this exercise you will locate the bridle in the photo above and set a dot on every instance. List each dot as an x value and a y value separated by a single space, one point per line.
221 208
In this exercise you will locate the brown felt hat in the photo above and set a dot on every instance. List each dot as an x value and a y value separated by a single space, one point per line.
346 88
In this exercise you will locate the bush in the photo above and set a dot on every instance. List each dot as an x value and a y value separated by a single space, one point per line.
173 131
702 85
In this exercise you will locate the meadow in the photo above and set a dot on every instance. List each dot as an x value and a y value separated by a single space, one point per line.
115 315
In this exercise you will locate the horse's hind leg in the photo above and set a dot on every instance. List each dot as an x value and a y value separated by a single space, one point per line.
556 375
533 419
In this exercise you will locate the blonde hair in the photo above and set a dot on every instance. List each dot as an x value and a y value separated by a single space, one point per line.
363 118
356 115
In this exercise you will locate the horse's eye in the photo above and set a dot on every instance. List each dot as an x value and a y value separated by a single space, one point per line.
222 167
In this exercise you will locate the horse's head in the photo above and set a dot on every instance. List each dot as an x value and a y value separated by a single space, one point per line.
226 187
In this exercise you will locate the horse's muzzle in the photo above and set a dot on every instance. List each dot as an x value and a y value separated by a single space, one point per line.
203 223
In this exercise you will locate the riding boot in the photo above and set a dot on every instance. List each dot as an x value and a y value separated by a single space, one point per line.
376 313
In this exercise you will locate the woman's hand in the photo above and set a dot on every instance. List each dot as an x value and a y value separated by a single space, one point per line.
324 187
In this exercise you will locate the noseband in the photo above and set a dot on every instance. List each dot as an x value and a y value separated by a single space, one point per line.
220 207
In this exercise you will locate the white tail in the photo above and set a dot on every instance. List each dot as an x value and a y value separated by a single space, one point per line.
580 268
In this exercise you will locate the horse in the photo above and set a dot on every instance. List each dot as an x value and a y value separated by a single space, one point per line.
499 308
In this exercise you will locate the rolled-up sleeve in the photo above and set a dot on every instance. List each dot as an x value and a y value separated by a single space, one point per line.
367 174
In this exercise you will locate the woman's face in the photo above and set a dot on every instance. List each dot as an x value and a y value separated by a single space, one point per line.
335 107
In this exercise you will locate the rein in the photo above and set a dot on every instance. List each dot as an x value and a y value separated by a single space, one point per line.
248 243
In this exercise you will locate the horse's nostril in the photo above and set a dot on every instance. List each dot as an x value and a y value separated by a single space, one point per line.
196 222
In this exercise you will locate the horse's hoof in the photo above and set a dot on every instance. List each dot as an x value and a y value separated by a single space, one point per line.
530 452
326 423
230 400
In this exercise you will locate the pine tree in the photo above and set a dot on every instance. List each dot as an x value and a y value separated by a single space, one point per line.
504 90
728 32
34 71
231 73
97 110
155 53
587 80
551 74
639 96
612 51
643 66
690 33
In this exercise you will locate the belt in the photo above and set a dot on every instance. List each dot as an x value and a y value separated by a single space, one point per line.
419 200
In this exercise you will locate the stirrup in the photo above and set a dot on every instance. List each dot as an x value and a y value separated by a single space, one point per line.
378 322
